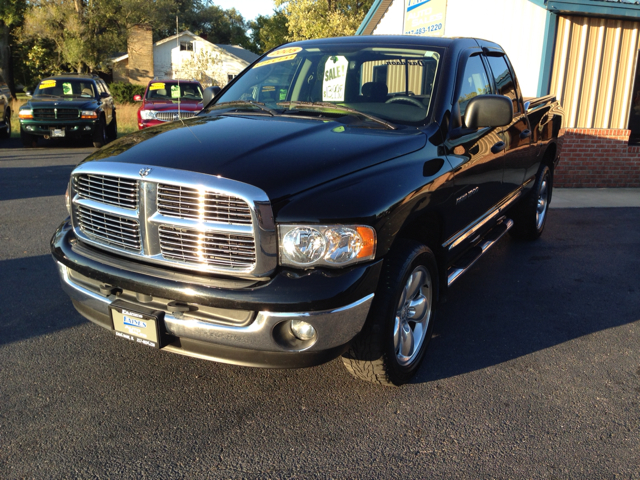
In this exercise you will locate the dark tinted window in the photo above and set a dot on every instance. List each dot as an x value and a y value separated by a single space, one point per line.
504 80
474 82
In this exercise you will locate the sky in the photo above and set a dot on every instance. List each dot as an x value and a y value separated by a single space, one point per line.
249 9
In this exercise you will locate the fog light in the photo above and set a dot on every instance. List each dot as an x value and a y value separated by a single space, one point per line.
302 330
87 128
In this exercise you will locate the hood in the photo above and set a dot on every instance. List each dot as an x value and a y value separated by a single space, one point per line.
163 105
282 156
52 102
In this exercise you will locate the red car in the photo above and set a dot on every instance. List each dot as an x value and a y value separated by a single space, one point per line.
163 99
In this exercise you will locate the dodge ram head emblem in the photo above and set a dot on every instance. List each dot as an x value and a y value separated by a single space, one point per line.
144 172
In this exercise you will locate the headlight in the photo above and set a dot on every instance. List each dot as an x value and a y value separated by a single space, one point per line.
148 114
89 114
326 245
25 114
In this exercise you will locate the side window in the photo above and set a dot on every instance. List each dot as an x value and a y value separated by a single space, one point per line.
99 87
104 87
474 82
504 80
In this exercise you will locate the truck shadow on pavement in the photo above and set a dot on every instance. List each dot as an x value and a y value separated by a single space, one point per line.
33 302
31 182
582 276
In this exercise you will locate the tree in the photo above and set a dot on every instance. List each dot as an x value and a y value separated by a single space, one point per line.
11 13
268 32
323 18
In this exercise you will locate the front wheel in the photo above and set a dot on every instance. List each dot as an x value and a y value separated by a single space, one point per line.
6 132
100 134
531 215
112 129
392 344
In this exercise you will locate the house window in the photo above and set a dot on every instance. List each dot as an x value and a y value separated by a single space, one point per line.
186 46
230 77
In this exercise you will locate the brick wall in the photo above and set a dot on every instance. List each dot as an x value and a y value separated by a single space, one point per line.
597 158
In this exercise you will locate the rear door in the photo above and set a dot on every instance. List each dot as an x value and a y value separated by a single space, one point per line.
517 135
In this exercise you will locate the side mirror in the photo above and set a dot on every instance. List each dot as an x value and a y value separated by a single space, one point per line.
137 98
29 93
488 111
209 94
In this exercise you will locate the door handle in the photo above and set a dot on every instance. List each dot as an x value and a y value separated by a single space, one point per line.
525 134
498 147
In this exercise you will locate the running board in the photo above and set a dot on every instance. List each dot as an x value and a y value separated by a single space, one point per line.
466 262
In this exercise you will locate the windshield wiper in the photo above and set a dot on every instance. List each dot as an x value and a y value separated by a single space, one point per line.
244 103
332 106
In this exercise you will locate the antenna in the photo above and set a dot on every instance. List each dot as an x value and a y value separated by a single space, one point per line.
178 44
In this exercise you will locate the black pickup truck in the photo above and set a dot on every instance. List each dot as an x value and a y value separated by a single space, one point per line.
319 206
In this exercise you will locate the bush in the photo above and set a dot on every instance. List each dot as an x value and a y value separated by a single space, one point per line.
124 92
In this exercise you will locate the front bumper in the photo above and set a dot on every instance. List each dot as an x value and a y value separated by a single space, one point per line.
72 128
335 305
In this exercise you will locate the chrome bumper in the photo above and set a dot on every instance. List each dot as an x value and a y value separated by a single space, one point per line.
334 328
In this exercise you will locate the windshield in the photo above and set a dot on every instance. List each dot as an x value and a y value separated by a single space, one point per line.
66 88
393 84
173 91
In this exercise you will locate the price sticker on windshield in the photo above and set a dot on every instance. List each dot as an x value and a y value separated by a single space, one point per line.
284 51
48 84
335 78
157 86
275 60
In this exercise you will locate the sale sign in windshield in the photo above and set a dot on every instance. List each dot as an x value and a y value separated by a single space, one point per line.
425 17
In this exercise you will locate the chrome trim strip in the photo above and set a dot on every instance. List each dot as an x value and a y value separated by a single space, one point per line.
199 226
262 229
335 327
453 276
473 227
105 207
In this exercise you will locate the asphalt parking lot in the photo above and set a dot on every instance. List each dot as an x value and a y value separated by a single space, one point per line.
534 370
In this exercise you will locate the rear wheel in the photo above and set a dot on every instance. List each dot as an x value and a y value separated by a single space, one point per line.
100 134
6 132
391 347
531 215
28 140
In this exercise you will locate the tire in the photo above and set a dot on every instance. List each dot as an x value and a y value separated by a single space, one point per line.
392 344
28 140
6 132
530 216
112 129
100 134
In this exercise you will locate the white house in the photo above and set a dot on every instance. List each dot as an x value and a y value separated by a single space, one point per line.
171 55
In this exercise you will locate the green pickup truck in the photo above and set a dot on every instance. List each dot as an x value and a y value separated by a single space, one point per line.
69 105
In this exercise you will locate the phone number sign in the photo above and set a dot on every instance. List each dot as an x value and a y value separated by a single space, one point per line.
425 17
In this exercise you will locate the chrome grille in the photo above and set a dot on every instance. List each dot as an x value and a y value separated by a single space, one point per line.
121 192
214 249
111 229
171 116
187 202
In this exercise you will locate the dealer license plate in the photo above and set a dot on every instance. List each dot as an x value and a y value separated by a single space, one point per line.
57 132
135 326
